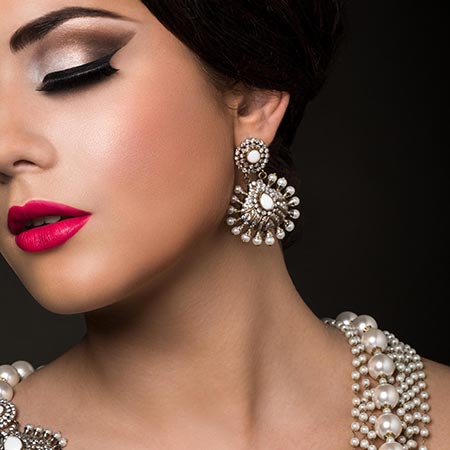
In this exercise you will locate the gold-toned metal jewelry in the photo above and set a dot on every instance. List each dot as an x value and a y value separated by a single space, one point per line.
265 210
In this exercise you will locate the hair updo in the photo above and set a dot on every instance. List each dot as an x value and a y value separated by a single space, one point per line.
284 45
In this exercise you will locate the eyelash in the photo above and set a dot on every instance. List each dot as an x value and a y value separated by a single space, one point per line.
74 77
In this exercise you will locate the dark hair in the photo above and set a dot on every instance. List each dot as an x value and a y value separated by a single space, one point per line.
284 45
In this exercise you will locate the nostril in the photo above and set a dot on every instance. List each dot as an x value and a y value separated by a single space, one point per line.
4 178
22 161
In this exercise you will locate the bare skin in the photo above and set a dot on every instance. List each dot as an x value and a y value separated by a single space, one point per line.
194 341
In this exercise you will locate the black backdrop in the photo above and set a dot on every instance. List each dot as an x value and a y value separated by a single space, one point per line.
370 152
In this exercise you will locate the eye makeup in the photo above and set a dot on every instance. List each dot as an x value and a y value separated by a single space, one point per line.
75 58
73 77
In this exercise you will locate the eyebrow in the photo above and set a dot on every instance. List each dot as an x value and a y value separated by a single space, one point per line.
40 27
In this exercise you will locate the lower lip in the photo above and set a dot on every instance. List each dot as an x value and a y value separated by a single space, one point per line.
51 235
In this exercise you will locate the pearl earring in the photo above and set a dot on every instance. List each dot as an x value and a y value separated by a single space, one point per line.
260 212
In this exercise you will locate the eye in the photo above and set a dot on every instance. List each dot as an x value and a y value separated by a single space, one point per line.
74 77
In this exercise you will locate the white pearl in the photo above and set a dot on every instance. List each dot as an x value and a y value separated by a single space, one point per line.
385 394
253 156
380 365
388 423
391 446
346 317
13 443
363 322
373 339
6 391
266 202
282 182
9 374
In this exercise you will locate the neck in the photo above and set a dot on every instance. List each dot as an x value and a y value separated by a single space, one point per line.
226 323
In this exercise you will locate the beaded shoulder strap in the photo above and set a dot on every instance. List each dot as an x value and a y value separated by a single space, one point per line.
11 436
390 398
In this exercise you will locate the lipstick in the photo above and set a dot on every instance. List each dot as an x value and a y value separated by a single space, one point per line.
41 225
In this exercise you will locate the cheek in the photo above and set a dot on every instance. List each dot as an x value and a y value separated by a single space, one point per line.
155 166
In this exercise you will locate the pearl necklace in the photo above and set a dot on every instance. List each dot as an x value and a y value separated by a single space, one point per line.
398 371
11 438
394 366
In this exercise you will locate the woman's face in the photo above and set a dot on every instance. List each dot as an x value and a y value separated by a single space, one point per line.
148 151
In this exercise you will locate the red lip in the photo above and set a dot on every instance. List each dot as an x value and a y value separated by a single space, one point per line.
47 236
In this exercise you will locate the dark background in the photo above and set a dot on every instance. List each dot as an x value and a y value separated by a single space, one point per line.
370 152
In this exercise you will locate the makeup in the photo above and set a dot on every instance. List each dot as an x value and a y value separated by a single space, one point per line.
41 225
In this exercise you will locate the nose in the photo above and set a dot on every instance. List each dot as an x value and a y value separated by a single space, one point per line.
23 150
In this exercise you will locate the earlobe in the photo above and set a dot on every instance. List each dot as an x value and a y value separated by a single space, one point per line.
259 114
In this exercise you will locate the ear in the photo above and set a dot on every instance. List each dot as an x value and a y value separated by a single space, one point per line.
258 113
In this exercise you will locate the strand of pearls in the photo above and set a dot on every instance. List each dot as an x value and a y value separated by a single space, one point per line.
400 393
11 437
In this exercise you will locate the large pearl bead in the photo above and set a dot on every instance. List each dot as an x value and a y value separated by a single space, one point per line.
385 394
24 368
9 374
380 365
388 423
13 443
391 446
373 339
363 323
346 317
6 391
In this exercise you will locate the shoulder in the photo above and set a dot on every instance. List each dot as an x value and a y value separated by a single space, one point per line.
438 387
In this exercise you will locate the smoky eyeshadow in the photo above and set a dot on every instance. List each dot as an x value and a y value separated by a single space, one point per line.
74 48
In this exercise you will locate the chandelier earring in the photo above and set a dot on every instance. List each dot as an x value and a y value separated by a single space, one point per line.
265 210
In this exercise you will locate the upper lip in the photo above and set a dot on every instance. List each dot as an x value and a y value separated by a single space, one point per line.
19 215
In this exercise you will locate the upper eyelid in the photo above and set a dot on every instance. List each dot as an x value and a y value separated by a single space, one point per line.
105 57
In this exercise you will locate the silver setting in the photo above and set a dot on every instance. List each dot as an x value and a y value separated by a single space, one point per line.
248 151
8 413
264 212
32 438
